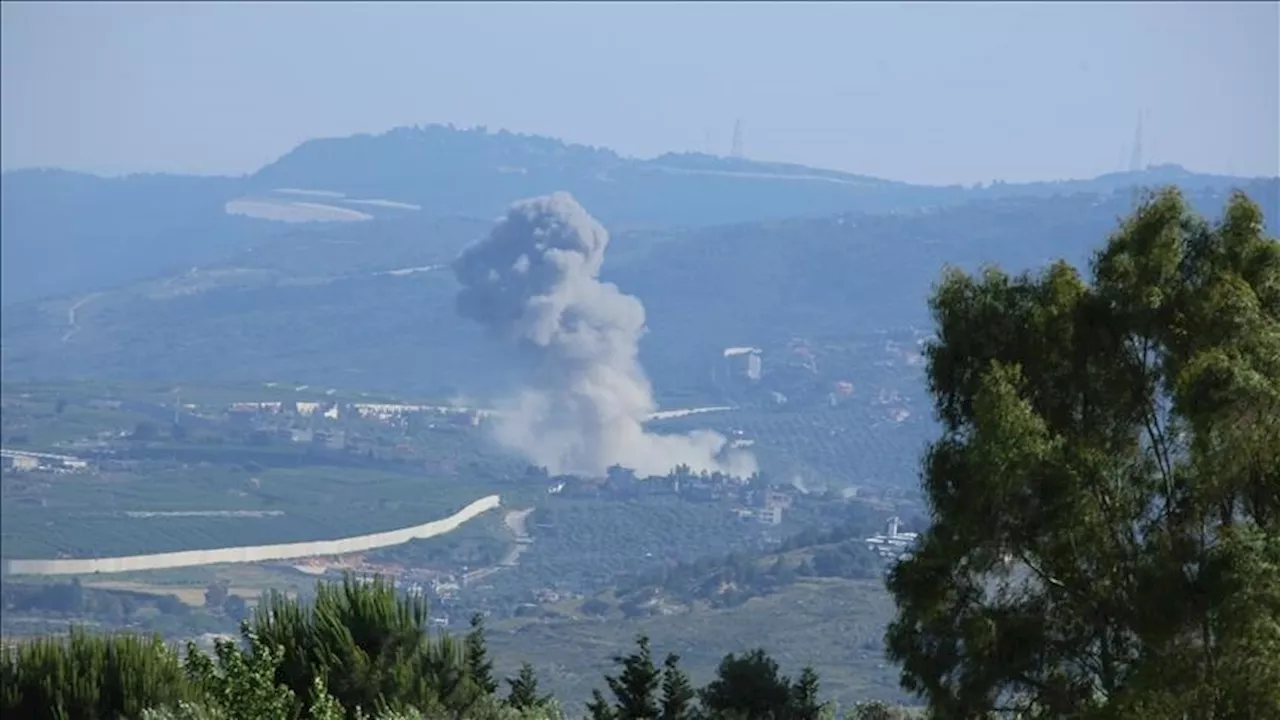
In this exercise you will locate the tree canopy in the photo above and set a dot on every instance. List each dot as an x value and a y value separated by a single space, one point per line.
1105 492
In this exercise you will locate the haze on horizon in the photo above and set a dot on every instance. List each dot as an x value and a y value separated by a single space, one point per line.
932 93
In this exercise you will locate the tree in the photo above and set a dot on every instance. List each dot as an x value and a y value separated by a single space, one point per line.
524 689
633 689
1105 494
66 598
748 686
235 607
88 675
804 697
479 666
369 643
216 593
679 698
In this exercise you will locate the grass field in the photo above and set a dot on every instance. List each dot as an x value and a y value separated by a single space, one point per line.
248 581
192 595
834 625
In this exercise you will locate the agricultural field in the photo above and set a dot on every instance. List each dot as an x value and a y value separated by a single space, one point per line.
221 482
163 510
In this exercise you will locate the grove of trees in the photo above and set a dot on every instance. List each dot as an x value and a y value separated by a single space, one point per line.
1106 490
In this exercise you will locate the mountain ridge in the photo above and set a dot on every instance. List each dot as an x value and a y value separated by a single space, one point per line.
123 229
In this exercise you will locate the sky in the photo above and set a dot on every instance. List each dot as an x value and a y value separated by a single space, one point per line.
930 93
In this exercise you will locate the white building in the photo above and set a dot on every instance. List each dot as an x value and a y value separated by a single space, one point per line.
893 544
746 360
24 460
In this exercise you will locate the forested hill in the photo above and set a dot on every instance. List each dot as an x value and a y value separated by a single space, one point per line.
332 306
126 229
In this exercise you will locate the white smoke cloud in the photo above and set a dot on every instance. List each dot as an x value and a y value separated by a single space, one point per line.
535 281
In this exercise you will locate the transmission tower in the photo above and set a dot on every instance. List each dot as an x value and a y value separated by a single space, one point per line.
1135 165
1135 160
737 139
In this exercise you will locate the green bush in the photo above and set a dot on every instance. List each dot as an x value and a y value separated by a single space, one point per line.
90 676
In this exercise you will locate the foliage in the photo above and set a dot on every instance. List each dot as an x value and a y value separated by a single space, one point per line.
730 580
24 602
585 544
478 664
632 689
369 644
834 624
1106 490
747 687
678 694
361 652
241 684
524 693
89 676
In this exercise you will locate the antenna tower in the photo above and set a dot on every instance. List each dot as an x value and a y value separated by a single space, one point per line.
1135 160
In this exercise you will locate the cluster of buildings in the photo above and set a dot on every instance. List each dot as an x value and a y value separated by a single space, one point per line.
25 461
893 543
764 507
331 410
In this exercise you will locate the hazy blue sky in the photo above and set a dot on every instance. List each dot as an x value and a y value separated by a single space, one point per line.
921 92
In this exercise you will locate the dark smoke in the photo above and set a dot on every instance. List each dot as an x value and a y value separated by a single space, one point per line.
535 281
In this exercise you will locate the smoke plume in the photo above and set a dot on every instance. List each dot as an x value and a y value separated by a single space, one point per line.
535 282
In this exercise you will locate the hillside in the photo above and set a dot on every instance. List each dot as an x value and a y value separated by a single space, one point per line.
123 230
833 624
371 306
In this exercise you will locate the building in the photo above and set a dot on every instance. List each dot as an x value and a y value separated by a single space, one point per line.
774 498
893 544
744 362
23 460
19 462
771 515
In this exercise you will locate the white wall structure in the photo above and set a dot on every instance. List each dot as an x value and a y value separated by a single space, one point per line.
252 554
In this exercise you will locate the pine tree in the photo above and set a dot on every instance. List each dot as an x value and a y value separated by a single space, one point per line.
633 689
804 697
524 689
599 708
678 694
479 666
